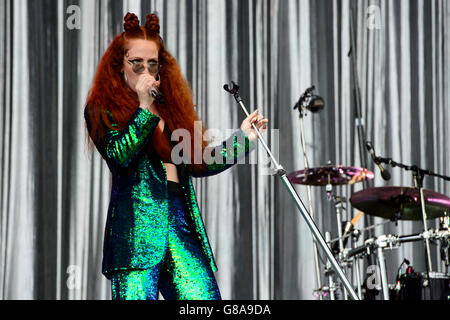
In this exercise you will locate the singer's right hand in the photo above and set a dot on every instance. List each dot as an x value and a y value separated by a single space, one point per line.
143 87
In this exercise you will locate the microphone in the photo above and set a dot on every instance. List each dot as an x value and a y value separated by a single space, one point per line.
308 100
315 104
157 96
385 174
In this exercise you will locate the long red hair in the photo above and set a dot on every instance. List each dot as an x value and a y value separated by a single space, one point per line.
111 96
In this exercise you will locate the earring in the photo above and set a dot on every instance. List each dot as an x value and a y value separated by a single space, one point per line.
125 76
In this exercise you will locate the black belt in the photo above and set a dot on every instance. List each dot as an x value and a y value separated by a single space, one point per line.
174 187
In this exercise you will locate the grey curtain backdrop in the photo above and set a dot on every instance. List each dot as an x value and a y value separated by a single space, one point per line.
54 193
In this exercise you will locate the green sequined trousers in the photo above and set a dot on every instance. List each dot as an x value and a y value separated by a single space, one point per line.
184 274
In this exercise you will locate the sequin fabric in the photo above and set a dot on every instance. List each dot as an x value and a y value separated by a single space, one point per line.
137 226
184 274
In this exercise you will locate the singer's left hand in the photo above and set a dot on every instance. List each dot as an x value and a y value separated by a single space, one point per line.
259 121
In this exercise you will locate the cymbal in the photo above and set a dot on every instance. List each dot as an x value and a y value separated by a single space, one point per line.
400 203
330 174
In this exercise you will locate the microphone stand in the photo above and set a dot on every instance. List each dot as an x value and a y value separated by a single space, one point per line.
281 172
357 99
302 110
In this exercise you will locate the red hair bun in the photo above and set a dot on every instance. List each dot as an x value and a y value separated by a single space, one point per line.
131 22
152 23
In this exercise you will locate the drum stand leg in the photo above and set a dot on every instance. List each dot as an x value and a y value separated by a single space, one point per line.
330 274
418 178
358 276
338 204
384 280
355 237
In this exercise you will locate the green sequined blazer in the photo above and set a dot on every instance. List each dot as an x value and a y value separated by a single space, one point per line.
136 228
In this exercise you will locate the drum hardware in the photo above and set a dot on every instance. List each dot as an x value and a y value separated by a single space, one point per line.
421 286
326 291
339 207
378 245
436 286
329 176
445 221
385 242
425 209
345 236
444 232
418 178
355 237
345 263
339 246
400 203
329 274
349 231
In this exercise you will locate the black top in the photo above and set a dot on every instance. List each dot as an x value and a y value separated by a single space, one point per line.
168 134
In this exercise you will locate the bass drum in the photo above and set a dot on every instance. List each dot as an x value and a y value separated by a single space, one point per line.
416 286
438 288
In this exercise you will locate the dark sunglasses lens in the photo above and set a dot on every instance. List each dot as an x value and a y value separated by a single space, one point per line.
138 68
154 68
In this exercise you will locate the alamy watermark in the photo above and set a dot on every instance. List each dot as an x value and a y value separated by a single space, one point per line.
226 147
73 20
373 280
373 17
73 281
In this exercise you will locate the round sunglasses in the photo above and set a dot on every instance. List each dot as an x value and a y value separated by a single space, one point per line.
138 66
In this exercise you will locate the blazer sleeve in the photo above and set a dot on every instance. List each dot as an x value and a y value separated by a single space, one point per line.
223 156
121 147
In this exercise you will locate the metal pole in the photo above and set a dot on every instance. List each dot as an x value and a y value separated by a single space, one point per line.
308 187
426 236
384 281
338 205
330 274
418 180
357 271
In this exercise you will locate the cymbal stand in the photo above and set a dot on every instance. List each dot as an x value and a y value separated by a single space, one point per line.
281 172
418 180
328 271
381 243
308 187
355 236
444 229
338 206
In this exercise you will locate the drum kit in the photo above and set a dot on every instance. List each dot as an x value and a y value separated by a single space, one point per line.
394 204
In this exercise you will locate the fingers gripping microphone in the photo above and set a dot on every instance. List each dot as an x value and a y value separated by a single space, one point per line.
157 96
385 174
